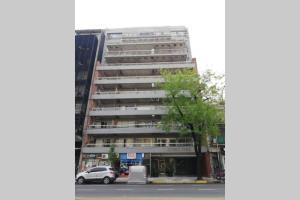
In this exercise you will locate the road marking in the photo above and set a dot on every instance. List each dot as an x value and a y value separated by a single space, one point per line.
168 185
127 189
165 189
206 189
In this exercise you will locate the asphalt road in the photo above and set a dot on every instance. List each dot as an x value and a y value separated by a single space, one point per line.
150 191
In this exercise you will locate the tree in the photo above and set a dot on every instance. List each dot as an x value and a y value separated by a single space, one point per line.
193 103
112 155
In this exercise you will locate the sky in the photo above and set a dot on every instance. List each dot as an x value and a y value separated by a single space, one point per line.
205 20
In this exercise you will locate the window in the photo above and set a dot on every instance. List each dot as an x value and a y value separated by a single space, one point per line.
98 169
78 107
106 142
94 170
172 142
101 169
92 140
103 124
79 91
82 75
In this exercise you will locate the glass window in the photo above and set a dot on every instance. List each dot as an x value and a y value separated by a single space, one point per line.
78 107
98 169
94 170
82 75
101 169
79 91
172 142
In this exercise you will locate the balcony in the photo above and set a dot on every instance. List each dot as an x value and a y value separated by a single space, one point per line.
126 110
128 79
146 94
142 128
147 40
145 66
157 52
141 148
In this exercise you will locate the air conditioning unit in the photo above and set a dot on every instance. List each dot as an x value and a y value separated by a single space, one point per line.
104 156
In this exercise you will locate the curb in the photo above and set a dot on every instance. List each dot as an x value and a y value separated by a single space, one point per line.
178 182
186 182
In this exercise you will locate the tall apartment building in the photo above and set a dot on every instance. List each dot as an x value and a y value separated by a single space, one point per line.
88 49
125 104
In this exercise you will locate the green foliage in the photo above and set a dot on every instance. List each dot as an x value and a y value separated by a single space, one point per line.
112 155
195 102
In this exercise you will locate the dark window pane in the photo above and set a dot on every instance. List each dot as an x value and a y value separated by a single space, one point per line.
102 169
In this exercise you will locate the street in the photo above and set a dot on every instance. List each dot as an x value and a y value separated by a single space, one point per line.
126 191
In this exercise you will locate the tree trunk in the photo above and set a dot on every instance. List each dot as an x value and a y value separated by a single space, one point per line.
197 148
199 170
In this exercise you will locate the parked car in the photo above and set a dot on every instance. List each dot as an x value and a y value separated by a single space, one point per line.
124 171
220 175
104 174
117 173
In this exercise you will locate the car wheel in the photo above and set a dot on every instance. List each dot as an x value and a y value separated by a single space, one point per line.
106 180
80 180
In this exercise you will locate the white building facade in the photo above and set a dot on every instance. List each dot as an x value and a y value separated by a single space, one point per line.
125 102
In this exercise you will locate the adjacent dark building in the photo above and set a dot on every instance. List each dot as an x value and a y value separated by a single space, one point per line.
88 51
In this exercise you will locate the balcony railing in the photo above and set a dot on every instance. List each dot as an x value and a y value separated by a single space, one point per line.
143 66
129 108
128 92
140 125
149 63
147 40
142 145
127 77
146 52
128 111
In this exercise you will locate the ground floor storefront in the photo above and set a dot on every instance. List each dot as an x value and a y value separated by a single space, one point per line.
158 165
171 166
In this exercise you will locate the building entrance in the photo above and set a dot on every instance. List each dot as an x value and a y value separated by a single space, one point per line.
169 166
162 167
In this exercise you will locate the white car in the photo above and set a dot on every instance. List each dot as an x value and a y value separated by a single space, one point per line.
105 174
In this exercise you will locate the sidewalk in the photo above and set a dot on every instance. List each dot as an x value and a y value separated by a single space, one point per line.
149 198
173 180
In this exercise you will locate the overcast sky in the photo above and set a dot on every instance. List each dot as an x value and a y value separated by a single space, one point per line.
205 20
